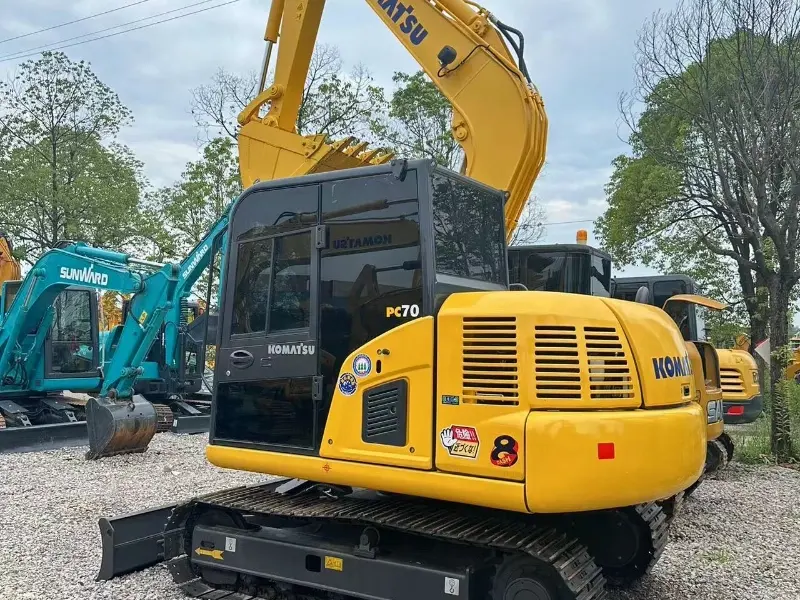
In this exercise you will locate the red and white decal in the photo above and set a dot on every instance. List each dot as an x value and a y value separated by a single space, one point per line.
461 441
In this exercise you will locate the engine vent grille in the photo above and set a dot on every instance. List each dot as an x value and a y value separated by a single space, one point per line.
566 357
732 382
385 409
489 372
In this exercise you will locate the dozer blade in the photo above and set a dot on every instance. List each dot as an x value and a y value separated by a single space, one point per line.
119 427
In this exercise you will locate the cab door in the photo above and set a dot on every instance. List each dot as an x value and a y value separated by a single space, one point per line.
71 347
267 384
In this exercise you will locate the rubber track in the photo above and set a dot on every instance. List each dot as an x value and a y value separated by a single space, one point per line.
164 418
658 522
727 441
511 532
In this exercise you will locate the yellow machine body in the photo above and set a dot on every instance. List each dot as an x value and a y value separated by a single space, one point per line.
705 366
793 370
741 387
576 407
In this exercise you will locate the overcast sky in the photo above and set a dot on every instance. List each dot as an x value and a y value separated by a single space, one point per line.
579 53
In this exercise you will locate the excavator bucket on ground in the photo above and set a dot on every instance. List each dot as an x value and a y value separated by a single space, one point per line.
120 427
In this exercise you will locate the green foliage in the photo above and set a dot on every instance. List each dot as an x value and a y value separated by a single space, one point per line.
62 175
419 120
710 185
185 211
334 102
753 440
188 208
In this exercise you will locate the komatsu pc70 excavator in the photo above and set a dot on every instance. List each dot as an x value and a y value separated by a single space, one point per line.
459 439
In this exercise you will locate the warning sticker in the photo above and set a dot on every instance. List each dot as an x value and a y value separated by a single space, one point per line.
334 563
461 441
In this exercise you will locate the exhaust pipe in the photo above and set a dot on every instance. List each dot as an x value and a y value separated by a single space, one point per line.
119 427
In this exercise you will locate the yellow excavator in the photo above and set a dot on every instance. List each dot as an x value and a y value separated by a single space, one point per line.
467 439
741 389
793 370
10 270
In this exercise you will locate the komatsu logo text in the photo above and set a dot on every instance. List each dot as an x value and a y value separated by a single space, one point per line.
291 349
197 258
84 275
666 367
410 25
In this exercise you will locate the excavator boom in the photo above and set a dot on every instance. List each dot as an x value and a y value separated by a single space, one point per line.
498 116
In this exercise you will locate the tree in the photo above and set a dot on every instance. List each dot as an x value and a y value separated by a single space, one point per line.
418 125
715 164
333 102
189 208
62 175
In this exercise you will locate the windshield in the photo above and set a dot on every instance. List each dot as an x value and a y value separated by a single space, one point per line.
546 271
469 230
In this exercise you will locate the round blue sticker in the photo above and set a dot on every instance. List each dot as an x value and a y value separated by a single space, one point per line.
348 384
362 365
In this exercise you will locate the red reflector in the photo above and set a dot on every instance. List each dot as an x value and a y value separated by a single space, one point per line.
736 410
605 451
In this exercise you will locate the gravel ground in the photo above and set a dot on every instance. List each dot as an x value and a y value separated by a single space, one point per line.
738 537
50 503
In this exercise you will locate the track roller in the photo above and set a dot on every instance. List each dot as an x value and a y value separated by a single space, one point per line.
519 577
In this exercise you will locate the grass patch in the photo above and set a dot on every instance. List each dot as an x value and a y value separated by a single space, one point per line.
753 441
720 556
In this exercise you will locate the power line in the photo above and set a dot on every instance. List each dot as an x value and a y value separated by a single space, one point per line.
24 35
125 31
570 222
27 51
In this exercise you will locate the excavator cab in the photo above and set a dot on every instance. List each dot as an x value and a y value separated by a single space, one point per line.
318 267
569 268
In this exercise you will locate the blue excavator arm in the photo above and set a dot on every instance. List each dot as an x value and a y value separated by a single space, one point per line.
189 271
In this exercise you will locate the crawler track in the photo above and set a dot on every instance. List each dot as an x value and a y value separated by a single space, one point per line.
555 550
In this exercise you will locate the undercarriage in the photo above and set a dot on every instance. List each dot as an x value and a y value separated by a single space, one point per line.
295 539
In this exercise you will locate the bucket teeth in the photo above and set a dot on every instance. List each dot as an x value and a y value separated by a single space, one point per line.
342 144
357 149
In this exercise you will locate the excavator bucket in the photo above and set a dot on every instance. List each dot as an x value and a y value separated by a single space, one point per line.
120 427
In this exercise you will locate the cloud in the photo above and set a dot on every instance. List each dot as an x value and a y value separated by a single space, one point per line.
578 52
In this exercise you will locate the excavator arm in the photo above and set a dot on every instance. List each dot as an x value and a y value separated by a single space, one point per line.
498 116
189 271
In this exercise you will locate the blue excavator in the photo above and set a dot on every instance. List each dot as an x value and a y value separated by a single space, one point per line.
50 343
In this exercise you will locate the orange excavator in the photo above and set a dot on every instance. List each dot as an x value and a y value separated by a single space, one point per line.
10 269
